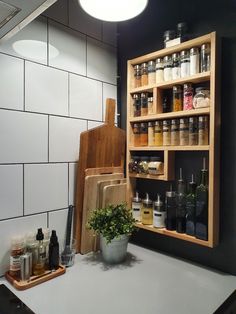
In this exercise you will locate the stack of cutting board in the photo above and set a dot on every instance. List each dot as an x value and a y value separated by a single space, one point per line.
101 158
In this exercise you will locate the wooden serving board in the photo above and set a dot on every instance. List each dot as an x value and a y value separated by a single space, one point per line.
89 204
101 185
103 146
114 194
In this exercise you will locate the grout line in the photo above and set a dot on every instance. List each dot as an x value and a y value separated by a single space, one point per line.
103 118
68 183
37 163
68 15
48 137
69 94
47 219
47 42
24 88
86 56
23 198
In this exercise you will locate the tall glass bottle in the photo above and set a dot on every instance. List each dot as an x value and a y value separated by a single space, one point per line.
181 205
191 208
39 267
202 205
170 209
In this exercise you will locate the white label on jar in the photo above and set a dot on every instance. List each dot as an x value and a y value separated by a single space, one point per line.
184 69
15 263
136 207
159 76
159 219
175 73
194 64
167 74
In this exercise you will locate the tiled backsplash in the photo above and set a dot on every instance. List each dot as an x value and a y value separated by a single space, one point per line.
55 76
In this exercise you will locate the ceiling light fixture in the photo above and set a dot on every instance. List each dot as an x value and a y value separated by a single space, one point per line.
113 10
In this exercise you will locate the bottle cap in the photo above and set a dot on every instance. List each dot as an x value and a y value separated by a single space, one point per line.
147 200
137 199
39 235
158 202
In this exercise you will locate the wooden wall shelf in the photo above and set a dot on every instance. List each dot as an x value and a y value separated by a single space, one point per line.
212 150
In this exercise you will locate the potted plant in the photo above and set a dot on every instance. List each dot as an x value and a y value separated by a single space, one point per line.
114 224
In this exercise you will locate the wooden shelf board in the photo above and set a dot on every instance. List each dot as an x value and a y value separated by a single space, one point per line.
147 176
172 115
174 234
167 51
197 78
170 148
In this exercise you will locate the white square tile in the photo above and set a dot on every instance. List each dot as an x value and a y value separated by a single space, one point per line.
29 43
81 21
109 91
72 182
64 137
101 61
58 222
11 82
46 89
17 227
94 124
85 98
58 11
46 187
23 137
11 191
109 33
70 46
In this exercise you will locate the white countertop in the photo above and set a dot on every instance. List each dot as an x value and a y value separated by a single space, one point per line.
147 283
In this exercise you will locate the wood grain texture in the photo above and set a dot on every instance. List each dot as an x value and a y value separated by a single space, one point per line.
103 146
114 194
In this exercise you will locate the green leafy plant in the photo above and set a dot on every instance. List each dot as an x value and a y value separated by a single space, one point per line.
112 221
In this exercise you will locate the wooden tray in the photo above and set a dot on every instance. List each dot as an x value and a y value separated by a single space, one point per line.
35 280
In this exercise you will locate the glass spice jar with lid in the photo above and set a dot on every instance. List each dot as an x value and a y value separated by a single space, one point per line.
144 74
184 63
150 105
188 96
174 132
136 132
151 134
136 105
133 164
201 98
147 211
177 98
203 130
143 164
158 133
184 132
166 133
193 131
155 166
194 61
175 66
143 134
167 68
137 75
151 72
205 57
144 104
166 106
159 70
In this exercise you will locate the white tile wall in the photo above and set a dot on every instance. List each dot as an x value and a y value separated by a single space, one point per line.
30 43
23 137
85 98
101 61
94 124
58 221
11 82
46 89
71 46
46 187
15 227
11 191
72 182
64 136
109 91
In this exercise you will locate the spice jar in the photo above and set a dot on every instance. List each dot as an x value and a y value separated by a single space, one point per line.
136 131
174 138
193 131
147 211
159 70
155 166
137 75
166 105
158 133
201 98
177 98
144 104
133 164
17 249
144 74
167 68
175 66
151 72
150 105
136 105
143 165
151 134
188 96
184 63
194 61
203 130
168 35
184 132
205 57
166 132
143 134
159 213
136 207
171 210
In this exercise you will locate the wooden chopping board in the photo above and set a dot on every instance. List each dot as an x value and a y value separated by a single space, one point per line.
114 194
90 202
101 185
103 146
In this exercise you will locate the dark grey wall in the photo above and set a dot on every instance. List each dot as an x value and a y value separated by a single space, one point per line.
143 35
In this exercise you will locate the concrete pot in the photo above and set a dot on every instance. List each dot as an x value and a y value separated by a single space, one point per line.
115 251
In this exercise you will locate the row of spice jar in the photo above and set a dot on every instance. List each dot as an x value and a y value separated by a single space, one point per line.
175 132
171 67
146 165
143 104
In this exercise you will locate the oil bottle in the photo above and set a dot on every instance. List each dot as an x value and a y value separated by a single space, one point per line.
181 205
191 208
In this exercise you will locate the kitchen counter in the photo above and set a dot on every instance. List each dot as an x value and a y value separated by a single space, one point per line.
148 282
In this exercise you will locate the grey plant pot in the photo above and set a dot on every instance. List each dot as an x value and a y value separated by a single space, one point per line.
115 251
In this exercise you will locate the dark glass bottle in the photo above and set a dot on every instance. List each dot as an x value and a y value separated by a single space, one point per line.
170 210
191 208
166 105
202 205
181 205
53 251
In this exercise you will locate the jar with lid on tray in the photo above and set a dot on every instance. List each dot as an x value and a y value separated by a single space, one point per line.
194 61
166 133
177 98
158 130
144 74
150 105
137 75
174 132
175 66
184 63
188 96
156 166
193 131
144 104
136 132
201 98
136 105
151 134
143 134
167 68
184 132
151 72
205 57
159 70
203 130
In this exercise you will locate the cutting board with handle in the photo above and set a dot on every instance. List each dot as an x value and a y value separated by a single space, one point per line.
101 185
103 146
90 203
114 194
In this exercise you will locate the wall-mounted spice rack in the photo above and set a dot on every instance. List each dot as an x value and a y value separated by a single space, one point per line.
212 150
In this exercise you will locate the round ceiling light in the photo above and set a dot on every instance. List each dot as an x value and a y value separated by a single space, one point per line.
113 10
